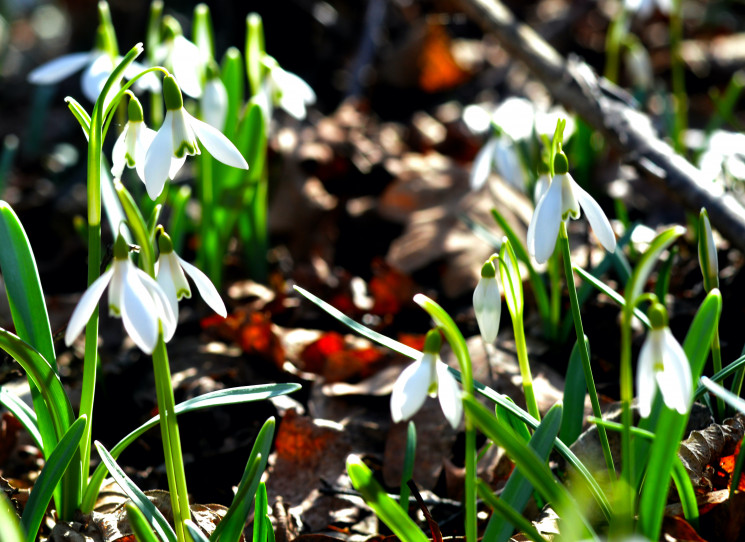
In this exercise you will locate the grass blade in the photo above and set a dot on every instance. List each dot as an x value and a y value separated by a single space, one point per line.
23 414
232 396
50 477
194 532
148 509
506 513
384 507
575 391
9 523
140 527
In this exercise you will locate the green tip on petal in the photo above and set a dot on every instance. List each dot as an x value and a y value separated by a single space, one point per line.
165 245
657 314
433 342
561 164
134 110
121 248
172 94
487 270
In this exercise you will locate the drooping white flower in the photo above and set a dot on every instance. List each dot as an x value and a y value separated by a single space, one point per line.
169 273
96 64
134 297
564 199
723 157
499 154
182 57
285 90
177 138
427 376
130 148
663 364
214 103
487 303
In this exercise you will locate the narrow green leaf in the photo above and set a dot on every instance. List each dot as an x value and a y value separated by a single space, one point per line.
686 492
646 263
517 425
387 510
50 477
23 414
506 513
359 328
194 531
231 396
408 469
80 114
254 51
260 511
575 391
512 282
231 526
719 376
610 292
10 525
232 74
530 464
203 34
517 491
28 309
663 275
140 527
723 393
148 509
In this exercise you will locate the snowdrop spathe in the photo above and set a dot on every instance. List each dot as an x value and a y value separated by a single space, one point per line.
564 199
487 302
178 138
169 273
707 252
134 296
427 376
130 148
663 364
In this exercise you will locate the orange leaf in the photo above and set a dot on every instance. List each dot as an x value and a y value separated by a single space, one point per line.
438 69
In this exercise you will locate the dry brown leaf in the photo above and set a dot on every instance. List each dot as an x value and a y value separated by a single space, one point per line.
705 448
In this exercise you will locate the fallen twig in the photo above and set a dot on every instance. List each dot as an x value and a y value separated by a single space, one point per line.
604 107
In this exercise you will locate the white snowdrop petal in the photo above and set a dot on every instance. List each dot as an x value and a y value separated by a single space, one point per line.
215 103
85 307
544 226
507 164
482 164
410 390
187 60
448 393
219 146
95 76
164 278
676 384
145 138
487 304
119 152
595 215
163 308
158 158
138 315
645 381
205 287
60 68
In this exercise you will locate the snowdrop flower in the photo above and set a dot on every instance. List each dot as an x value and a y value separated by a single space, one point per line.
663 361
427 376
132 144
214 104
564 199
177 138
723 157
487 302
183 58
169 273
644 8
134 296
286 90
707 252
97 66
499 153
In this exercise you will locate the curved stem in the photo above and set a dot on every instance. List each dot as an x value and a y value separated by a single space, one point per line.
582 345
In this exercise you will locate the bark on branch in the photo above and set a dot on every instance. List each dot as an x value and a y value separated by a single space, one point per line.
602 105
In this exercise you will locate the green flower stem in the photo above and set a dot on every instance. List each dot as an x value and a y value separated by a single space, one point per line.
460 349
624 501
614 39
716 356
96 135
554 277
522 359
584 354
171 440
